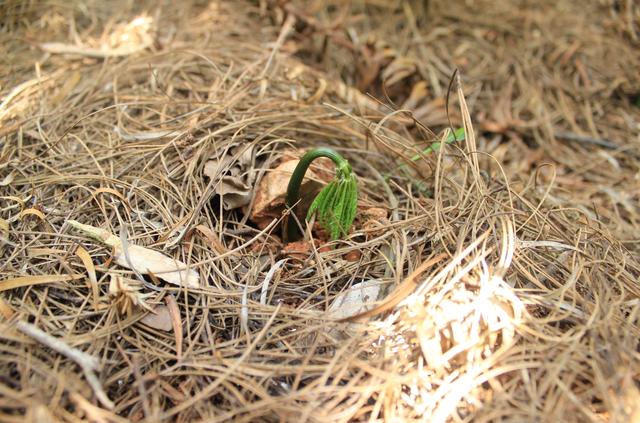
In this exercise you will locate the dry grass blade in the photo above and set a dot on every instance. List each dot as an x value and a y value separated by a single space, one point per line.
91 270
176 323
23 281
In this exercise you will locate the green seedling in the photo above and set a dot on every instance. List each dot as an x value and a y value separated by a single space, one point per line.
335 206
457 135
452 137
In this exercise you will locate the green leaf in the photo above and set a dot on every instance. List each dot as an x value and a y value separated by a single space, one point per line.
338 209
320 198
336 205
351 204
457 135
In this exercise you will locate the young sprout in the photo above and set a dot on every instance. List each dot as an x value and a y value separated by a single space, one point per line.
457 135
335 205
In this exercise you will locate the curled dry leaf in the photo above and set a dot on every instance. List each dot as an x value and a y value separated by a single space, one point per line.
143 260
159 318
399 69
32 212
91 271
272 190
234 175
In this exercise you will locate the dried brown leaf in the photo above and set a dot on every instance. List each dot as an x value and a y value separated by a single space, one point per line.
233 175
159 318
143 260
272 190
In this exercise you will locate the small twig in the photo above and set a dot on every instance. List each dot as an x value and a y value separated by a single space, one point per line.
81 358
87 362
602 142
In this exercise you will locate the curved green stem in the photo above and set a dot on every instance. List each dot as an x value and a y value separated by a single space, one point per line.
343 169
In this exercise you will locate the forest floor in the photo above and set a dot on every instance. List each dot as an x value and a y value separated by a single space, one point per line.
145 150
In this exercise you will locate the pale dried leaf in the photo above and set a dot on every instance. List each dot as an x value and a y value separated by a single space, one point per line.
7 179
146 260
159 318
31 280
357 299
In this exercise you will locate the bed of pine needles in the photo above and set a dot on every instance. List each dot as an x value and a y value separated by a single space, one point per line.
509 262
